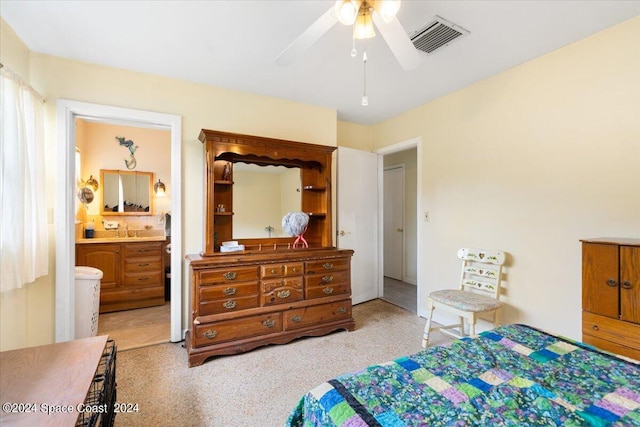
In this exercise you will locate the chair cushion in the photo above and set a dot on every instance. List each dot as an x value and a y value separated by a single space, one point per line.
465 300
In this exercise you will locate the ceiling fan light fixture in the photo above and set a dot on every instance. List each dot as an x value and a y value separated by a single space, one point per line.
387 9
347 11
363 27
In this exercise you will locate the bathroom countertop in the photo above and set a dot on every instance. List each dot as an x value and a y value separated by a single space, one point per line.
122 239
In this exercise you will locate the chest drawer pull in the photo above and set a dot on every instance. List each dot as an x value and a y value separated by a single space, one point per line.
595 328
296 318
230 304
270 323
284 294
626 285
143 278
327 279
143 264
328 291
229 291
327 266
294 269
210 334
274 271
341 310
612 283
231 275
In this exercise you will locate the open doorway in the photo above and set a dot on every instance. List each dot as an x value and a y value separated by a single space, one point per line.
68 111
400 228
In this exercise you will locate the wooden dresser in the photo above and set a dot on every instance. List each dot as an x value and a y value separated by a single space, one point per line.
611 295
272 291
243 301
133 272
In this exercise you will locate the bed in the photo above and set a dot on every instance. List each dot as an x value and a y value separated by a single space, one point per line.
514 375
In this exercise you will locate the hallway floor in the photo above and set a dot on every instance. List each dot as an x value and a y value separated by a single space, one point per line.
402 294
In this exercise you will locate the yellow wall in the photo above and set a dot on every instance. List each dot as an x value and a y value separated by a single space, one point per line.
356 136
530 161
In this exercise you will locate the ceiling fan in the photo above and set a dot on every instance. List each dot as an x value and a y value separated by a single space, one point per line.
362 15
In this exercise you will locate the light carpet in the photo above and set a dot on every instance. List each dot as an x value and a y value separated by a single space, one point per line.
260 387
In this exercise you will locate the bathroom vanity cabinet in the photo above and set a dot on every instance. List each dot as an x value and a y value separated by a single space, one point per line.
133 272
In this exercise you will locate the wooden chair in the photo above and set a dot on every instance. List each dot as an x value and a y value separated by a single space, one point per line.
479 292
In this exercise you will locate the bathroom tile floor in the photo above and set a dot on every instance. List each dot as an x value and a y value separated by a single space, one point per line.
137 328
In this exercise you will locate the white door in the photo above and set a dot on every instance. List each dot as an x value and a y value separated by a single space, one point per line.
393 212
357 222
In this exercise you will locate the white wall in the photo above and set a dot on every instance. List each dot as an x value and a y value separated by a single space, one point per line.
530 161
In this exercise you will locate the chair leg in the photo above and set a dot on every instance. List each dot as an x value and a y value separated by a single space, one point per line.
427 326
472 326
461 325
496 318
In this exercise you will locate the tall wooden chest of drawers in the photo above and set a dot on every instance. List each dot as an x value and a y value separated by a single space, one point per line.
243 301
611 295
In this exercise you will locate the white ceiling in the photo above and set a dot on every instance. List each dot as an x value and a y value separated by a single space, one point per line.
233 44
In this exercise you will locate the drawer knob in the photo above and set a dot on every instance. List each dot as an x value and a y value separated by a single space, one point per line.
327 279
210 334
142 279
294 269
328 291
284 294
143 264
595 328
327 266
231 275
273 271
230 304
229 291
270 323
612 283
296 319
626 285
341 310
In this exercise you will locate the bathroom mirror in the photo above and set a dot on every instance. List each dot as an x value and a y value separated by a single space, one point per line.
126 192
262 195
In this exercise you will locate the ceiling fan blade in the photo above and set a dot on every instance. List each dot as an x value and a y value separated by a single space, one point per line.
308 37
399 42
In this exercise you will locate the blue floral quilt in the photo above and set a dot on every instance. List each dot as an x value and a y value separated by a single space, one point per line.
513 375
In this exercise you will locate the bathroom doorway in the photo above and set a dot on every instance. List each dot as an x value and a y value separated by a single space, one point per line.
68 111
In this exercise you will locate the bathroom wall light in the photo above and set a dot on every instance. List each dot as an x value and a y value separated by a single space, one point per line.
159 188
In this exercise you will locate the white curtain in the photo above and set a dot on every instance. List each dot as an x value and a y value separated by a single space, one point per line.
23 216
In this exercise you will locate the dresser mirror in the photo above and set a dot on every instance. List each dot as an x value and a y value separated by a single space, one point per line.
126 192
262 195
233 217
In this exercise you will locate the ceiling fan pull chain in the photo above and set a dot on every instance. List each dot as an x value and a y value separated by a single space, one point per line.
354 52
365 98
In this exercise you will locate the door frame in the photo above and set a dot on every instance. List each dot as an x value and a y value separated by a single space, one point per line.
394 148
67 112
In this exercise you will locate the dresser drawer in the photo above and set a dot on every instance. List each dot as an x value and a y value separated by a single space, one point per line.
326 291
143 264
142 249
114 296
281 295
329 278
215 292
323 266
316 314
280 270
613 330
227 305
270 285
143 278
245 327
228 275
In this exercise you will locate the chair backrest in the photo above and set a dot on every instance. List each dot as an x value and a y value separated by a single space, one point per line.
481 270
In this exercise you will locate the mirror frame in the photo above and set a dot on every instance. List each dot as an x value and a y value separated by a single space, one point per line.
150 175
